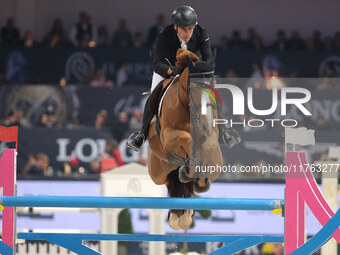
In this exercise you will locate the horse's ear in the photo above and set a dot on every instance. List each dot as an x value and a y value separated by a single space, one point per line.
189 63
212 58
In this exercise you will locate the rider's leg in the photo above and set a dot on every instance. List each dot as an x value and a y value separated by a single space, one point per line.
137 139
156 79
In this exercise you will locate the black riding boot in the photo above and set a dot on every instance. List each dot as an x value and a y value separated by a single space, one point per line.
227 135
137 139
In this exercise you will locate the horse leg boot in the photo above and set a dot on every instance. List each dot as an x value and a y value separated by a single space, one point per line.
227 135
137 139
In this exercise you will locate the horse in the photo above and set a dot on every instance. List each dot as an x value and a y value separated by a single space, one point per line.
181 137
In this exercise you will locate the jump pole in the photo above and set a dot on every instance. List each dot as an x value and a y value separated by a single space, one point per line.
143 202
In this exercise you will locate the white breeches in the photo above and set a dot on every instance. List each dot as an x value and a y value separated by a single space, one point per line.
156 78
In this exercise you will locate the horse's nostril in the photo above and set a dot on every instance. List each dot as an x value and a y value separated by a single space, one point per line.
203 138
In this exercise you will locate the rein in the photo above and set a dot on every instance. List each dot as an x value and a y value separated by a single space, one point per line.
201 74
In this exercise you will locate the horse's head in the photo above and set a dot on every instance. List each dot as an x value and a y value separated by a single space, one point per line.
197 78
202 71
198 81
197 72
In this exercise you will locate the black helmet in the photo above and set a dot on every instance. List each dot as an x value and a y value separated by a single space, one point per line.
184 16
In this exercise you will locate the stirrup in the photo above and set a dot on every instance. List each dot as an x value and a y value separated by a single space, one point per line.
147 93
233 141
235 138
131 145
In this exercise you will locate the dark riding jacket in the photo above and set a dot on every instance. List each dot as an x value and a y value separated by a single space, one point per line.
167 44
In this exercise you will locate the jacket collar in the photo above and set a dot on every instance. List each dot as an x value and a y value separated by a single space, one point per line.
175 38
191 43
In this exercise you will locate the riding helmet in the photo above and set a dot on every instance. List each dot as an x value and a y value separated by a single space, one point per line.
184 16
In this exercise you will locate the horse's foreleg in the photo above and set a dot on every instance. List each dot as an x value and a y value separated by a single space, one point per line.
212 156
212 159
176 141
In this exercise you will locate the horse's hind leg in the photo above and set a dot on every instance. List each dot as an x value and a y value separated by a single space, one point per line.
179 219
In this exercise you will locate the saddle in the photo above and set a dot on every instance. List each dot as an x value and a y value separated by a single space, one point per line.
157 94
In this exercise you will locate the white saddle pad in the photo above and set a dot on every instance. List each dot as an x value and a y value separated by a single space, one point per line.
162 99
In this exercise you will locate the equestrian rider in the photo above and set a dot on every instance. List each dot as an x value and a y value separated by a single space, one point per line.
183 33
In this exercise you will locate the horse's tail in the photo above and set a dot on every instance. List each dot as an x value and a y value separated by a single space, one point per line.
178 189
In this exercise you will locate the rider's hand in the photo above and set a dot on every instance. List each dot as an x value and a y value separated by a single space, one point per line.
169 72
175 71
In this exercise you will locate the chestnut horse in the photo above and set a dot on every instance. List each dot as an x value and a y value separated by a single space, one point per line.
185 138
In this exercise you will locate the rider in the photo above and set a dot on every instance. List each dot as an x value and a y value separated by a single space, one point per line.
183 33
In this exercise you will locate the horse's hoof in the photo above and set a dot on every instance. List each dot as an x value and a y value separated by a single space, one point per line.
174 221
205 188
182 175
185 220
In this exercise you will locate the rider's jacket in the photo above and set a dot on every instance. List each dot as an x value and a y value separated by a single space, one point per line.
167 44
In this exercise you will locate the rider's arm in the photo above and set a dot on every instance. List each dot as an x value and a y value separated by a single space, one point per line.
161 49
205 47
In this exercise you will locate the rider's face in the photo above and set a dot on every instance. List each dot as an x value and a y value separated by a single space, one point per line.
185 32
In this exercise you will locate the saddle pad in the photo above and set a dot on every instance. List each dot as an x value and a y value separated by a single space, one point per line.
162 98
161 102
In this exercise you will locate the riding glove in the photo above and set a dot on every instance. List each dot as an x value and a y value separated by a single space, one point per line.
176 70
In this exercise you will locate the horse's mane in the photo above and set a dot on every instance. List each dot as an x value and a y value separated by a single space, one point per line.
181 57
